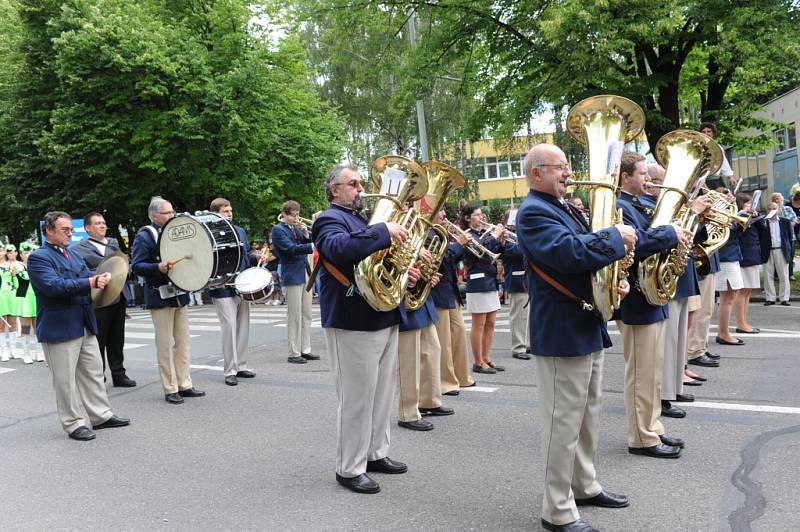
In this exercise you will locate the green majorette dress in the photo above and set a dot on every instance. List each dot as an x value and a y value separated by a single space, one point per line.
26 298
8 291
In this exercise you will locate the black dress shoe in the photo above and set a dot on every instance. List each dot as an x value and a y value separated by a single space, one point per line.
786 304
231 380
309 356
124 382
521 356
386 465
419 424
768 303
668 410
722 341
671 441
246 374
605 499
705 361
451 392
657 451
698 377
575 526
712 356
755 330
693 382
174 398
296 360
191 392
496 367
82 434
480 369
360 484
684 398
438 411
113 422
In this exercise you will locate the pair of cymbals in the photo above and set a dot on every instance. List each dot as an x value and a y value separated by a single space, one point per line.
117 265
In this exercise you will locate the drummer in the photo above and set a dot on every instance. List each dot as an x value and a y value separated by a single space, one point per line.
110 318
233 311
167 306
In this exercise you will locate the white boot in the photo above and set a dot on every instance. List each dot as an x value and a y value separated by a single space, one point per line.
12 346
5 356
26 349
37 347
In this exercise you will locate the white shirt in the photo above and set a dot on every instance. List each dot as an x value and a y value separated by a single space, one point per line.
775 232
100 247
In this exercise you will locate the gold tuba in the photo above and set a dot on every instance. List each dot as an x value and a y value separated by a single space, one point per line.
442 180
689 157
382 277
603 124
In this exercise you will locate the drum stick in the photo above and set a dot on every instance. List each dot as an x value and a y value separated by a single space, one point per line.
173 263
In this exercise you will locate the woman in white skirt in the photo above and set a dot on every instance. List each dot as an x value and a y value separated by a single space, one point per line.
751 262
482 299
728 282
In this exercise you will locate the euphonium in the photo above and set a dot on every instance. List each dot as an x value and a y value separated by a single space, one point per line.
382 277
688 157
603 124
718 228
442 180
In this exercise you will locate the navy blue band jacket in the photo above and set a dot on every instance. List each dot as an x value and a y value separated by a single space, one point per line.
145 259
248 259
563 247
292 249
446 294
482 272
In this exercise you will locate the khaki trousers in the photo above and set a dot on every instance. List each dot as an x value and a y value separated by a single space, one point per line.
570 390
364 368
518 316
776 263
173 347
78 362
418 372
697 341
643 346
234 318
454 367
298 325
675 349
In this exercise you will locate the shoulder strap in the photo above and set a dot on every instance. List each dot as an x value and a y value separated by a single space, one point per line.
585 305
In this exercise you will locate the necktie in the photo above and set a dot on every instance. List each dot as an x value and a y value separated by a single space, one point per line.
66 255
565 206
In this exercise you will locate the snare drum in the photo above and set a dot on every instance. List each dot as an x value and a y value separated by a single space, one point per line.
205 250
254 284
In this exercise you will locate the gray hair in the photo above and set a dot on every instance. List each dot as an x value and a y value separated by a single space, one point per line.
52 217
334 176
155 207
531 161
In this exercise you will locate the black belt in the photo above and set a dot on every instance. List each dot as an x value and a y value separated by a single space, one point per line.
776 248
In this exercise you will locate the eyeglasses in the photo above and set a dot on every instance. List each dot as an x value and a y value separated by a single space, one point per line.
67 230
166 212
561 166
355 183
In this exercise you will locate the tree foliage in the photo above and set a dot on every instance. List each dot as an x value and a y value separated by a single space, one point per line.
120 101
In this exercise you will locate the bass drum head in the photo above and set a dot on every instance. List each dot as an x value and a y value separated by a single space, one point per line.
184 238
254 284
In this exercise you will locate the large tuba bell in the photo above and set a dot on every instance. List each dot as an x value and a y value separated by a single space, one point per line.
382 277
603 124
442 180
688 156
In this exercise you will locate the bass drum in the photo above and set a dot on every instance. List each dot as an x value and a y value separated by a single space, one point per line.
254 284
204 249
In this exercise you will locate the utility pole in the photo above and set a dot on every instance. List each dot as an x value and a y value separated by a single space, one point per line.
423 131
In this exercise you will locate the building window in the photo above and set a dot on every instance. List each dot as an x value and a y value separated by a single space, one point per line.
516 167
786 139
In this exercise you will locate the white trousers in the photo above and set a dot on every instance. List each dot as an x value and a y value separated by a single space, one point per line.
298 325
364 365
675 349
234 318
518 316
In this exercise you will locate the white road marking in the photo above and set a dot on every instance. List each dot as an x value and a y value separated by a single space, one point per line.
199 366
143 335
7 370
483 389
745 408
129 345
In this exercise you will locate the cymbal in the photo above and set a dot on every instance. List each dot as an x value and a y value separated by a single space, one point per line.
117 266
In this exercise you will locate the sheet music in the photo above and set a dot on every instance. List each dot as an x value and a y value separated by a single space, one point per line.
614 157
512 218
393 180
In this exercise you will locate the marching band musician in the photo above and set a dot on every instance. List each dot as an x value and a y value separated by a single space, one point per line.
361 342
233 311
293 246
167 308
518 315
567 339
110 319
482 299
418 366
643 325
67 327
450 328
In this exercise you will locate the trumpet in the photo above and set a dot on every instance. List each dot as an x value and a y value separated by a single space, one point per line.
301 223
473 246
497 230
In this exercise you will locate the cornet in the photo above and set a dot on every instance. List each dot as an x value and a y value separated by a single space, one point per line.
301 223
472 245
497 231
